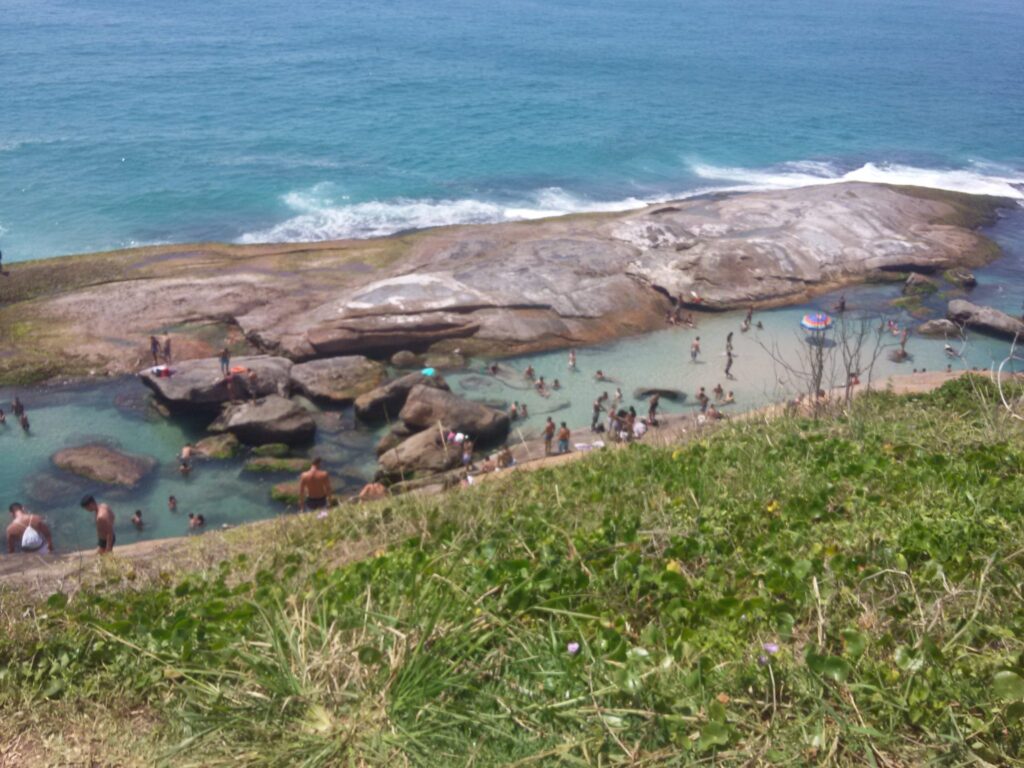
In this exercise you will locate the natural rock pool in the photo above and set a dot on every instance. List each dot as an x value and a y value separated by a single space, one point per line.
120 412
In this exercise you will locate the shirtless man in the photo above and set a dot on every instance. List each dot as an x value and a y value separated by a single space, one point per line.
314 487
373 491
185 459
694 350
549 435
28 532
104 524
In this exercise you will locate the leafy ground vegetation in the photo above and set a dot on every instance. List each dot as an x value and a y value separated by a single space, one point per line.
840 591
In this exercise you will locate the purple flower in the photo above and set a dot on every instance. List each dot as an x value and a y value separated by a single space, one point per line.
762 660
573 648
322 515
771 648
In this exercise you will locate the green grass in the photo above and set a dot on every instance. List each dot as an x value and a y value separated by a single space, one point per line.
840 591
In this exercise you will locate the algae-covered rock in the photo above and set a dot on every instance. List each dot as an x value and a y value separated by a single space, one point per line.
276 450
961 277
286 493
218 447
270 465
337 380
918 285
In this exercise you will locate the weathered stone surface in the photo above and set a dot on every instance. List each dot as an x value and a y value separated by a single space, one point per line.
50 489
917 284
276 450
939 327
224 446
337 379
386 401
984 319
201 384
286 493
271 419
504 288
406 359
104 464
393 437
424 452
445 361
426 407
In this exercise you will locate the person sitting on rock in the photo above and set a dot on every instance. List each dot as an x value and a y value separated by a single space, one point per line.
372 492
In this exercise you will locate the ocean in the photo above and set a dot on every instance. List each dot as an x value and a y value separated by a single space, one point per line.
130 123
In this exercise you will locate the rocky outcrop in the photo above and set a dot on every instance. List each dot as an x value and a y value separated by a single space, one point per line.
385 402
104 464
939 327
498 289
428 407
406 359
337 380
268 465
423 453
271 419
985 319
200 384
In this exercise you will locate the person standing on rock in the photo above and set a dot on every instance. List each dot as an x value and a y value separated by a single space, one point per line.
104 524
154 350
728 364
563 439
167 350
598 409
225 361
27 532
694 349
549 435
314 487
652 409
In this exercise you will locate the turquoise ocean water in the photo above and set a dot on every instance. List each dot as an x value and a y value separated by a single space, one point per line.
127 123
130 123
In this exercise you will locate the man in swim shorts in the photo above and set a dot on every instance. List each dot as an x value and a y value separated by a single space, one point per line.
28 532
104 524
314 487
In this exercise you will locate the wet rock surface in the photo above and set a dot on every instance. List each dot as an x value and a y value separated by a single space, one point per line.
271 419
104 464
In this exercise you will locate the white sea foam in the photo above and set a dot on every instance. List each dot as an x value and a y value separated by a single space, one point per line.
979 179
321 214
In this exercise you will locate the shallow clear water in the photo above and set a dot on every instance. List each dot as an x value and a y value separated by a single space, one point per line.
130 122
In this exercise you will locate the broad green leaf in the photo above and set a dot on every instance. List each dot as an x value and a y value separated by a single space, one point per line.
713 735
1008 686
830 667
855 642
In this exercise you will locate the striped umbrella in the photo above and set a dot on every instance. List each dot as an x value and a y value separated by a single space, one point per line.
816 321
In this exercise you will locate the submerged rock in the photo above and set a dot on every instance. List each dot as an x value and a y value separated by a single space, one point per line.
271 419
984 319
104 464
406 359
201 383
386 401
49 489
338 380
917 284
961 277
645 393
276 450
270 465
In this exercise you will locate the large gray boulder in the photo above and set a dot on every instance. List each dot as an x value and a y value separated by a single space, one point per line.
338 380
104 464
984 319
939 327
272 419
385 402
426 407
201 384
423 453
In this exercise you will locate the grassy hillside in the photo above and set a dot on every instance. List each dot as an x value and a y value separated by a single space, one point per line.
844 591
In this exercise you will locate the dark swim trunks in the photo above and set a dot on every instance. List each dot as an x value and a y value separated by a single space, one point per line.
103 542
316 503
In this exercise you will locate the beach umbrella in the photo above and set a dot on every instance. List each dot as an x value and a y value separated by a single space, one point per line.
816 321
